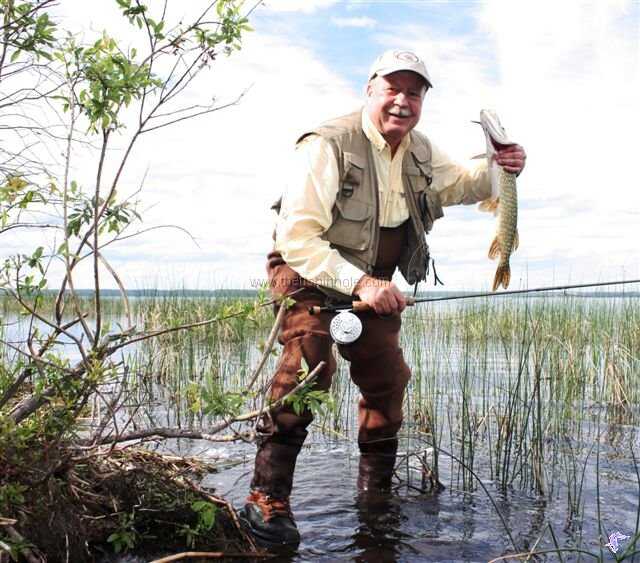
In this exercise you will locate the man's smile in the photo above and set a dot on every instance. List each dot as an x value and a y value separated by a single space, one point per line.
400 113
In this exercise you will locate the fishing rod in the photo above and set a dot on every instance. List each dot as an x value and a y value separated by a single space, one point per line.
346 327
361 306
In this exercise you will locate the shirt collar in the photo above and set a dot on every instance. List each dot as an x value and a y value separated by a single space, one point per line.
376 138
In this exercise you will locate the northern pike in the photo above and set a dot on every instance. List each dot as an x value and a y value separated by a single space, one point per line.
505 206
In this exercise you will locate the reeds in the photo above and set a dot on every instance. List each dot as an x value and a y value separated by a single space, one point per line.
516 391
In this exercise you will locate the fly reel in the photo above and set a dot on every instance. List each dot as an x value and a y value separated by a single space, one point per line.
345 327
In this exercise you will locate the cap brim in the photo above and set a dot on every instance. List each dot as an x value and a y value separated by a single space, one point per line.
391 70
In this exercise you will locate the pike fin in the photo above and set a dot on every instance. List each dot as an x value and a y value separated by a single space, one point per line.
502 277
516 241
477 156
489 205
494 249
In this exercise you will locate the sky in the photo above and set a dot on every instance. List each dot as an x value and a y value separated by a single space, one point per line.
564 77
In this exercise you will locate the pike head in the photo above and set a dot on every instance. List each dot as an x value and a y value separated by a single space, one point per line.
494 132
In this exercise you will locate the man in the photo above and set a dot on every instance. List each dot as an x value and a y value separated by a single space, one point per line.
363 191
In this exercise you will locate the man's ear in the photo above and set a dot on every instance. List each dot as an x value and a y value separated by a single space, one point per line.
369 89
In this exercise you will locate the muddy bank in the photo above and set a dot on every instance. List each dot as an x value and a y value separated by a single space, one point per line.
71 505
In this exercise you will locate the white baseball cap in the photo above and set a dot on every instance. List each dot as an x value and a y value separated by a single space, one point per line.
394 60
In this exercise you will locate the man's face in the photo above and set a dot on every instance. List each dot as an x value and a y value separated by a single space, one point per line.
394 103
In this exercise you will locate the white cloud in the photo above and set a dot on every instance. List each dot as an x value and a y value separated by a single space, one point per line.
566 87
362 22
217 175
305 6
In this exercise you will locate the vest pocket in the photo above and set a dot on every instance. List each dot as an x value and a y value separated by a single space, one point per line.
433 205
351 226
353 173
427 200
419 182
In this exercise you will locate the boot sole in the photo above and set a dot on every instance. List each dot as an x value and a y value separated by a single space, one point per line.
264 540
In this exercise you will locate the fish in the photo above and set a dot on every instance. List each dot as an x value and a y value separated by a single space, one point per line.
505 205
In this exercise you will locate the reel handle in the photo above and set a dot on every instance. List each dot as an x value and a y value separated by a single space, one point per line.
356 306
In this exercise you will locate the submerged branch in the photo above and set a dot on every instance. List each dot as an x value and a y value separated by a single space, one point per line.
208 555
528 554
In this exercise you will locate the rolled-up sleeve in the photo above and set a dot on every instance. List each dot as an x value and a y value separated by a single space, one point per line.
458 184
306 214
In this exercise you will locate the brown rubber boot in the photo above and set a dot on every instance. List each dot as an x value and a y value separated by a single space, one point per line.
377 462
270 519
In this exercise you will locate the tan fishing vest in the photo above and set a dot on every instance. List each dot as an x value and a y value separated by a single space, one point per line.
355 229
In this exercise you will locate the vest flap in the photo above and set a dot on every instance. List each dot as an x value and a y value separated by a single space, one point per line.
353 209
353 172
412 171
354 159
421 153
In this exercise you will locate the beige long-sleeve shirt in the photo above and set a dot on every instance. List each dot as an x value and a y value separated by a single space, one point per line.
311 192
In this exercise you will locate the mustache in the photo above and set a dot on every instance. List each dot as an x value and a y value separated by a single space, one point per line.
400 112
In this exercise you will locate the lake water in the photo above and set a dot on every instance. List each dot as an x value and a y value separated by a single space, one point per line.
589 464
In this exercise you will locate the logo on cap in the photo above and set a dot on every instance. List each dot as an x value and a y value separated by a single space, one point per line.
407 56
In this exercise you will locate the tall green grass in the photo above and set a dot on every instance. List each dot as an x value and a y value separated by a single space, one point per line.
516 389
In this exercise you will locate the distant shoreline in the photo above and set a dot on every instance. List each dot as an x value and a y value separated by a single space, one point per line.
252 293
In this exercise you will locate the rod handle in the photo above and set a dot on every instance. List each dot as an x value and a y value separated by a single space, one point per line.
357 306
361 306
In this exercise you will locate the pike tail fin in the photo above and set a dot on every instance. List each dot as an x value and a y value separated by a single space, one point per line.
494 249
502 277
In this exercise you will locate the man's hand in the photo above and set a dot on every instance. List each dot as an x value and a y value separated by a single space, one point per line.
381 295
511 158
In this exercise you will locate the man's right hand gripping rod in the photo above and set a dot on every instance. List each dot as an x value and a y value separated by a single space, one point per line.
355 306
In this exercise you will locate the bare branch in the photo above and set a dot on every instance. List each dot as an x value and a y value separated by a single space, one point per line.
210 435
25 551
47 322
65 199
149 229
160 332
209 110
121 288
269 344
36 359
96 219
28 226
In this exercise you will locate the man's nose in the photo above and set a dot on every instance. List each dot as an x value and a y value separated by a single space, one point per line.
401 99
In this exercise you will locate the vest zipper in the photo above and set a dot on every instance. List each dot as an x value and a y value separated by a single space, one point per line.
376 222
413 210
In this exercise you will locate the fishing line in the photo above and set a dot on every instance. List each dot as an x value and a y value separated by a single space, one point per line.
346 327
521 291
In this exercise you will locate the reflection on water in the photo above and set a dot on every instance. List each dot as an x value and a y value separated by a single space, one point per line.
337 523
